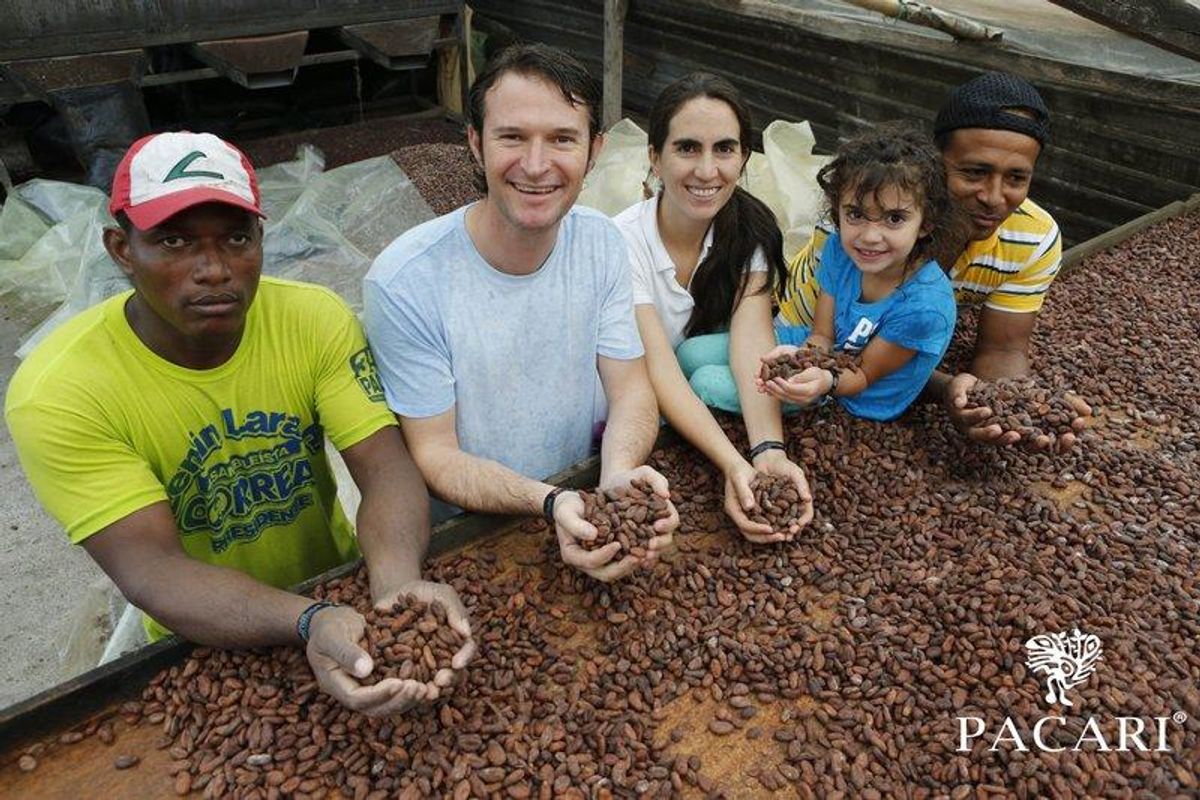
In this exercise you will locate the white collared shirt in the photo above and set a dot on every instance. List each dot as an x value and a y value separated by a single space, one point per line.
654 281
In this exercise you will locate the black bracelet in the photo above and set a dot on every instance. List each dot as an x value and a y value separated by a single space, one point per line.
305 618
548 503
762 447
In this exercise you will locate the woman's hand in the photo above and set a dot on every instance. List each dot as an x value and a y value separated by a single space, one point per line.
739 503
776 462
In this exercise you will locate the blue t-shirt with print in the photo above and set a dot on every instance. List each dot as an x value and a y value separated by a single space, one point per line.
919 315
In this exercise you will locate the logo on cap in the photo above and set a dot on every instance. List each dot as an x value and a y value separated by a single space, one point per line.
180 169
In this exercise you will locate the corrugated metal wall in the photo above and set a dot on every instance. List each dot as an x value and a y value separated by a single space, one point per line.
1113 157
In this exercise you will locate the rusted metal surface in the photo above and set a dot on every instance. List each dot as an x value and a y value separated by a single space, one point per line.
255 62
40 29
397 44
1110 159
41 76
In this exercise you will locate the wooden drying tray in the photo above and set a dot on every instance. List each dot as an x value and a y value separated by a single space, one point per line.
86 769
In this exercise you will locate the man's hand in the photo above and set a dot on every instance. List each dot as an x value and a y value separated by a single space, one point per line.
571 528
968 418
338 663
665 527
456 615
776 462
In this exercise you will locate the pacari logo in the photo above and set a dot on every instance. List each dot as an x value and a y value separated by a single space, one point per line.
1068 660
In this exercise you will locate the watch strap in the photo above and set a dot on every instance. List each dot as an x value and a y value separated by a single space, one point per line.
548 503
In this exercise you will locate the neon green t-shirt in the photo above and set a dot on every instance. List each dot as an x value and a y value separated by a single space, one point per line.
105 427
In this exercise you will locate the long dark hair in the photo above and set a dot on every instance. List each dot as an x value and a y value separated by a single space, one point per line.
899 155
742 226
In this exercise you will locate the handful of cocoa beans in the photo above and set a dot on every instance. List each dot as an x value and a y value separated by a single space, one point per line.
778 502
411 641
808 356
625 516
1026 406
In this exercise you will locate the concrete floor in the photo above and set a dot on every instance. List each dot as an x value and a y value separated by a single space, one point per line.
55 602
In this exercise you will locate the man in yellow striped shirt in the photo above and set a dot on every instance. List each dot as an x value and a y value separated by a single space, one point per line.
990 132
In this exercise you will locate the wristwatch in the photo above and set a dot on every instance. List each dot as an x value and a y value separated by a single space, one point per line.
548 503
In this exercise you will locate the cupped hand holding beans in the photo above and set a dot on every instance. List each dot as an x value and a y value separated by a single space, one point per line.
574 532
776 464
604 554
976 408
740 503
456 616
649 480
339 664
801 375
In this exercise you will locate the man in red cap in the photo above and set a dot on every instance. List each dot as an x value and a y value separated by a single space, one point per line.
177 430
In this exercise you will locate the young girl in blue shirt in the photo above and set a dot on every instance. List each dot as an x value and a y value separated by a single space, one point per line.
883 295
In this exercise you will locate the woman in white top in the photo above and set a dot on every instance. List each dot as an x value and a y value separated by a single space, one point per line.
705 255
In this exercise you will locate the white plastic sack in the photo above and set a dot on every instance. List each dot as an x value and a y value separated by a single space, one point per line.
340 222
784 176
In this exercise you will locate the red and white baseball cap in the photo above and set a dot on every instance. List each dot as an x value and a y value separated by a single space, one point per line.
165 173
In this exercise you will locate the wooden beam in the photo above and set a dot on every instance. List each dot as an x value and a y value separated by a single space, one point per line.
1170 24
614 60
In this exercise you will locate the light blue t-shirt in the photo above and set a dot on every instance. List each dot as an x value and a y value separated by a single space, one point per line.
514 355
919 315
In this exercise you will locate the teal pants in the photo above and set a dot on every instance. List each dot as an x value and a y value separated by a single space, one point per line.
705 363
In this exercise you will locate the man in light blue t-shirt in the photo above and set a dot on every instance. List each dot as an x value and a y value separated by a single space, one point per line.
496 327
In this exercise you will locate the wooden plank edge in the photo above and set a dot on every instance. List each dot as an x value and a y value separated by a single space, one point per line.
1074 257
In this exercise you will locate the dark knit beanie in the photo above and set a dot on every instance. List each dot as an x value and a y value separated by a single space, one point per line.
985 102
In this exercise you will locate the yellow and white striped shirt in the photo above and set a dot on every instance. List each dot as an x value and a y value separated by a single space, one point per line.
1009 271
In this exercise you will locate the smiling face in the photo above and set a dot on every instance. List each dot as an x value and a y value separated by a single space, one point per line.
534 149
701 159
988 174
879 232
195 276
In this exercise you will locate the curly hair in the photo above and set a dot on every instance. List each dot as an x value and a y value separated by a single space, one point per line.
901 156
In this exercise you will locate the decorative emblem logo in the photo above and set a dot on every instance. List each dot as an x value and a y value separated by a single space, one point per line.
1067 660
180 170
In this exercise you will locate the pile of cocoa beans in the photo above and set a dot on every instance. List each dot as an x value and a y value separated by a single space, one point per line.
777 502
626 516
834 665
1024 405
412 641
442 173
809 356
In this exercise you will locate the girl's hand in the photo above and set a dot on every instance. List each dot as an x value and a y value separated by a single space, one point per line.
766 358
776 462
803 389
